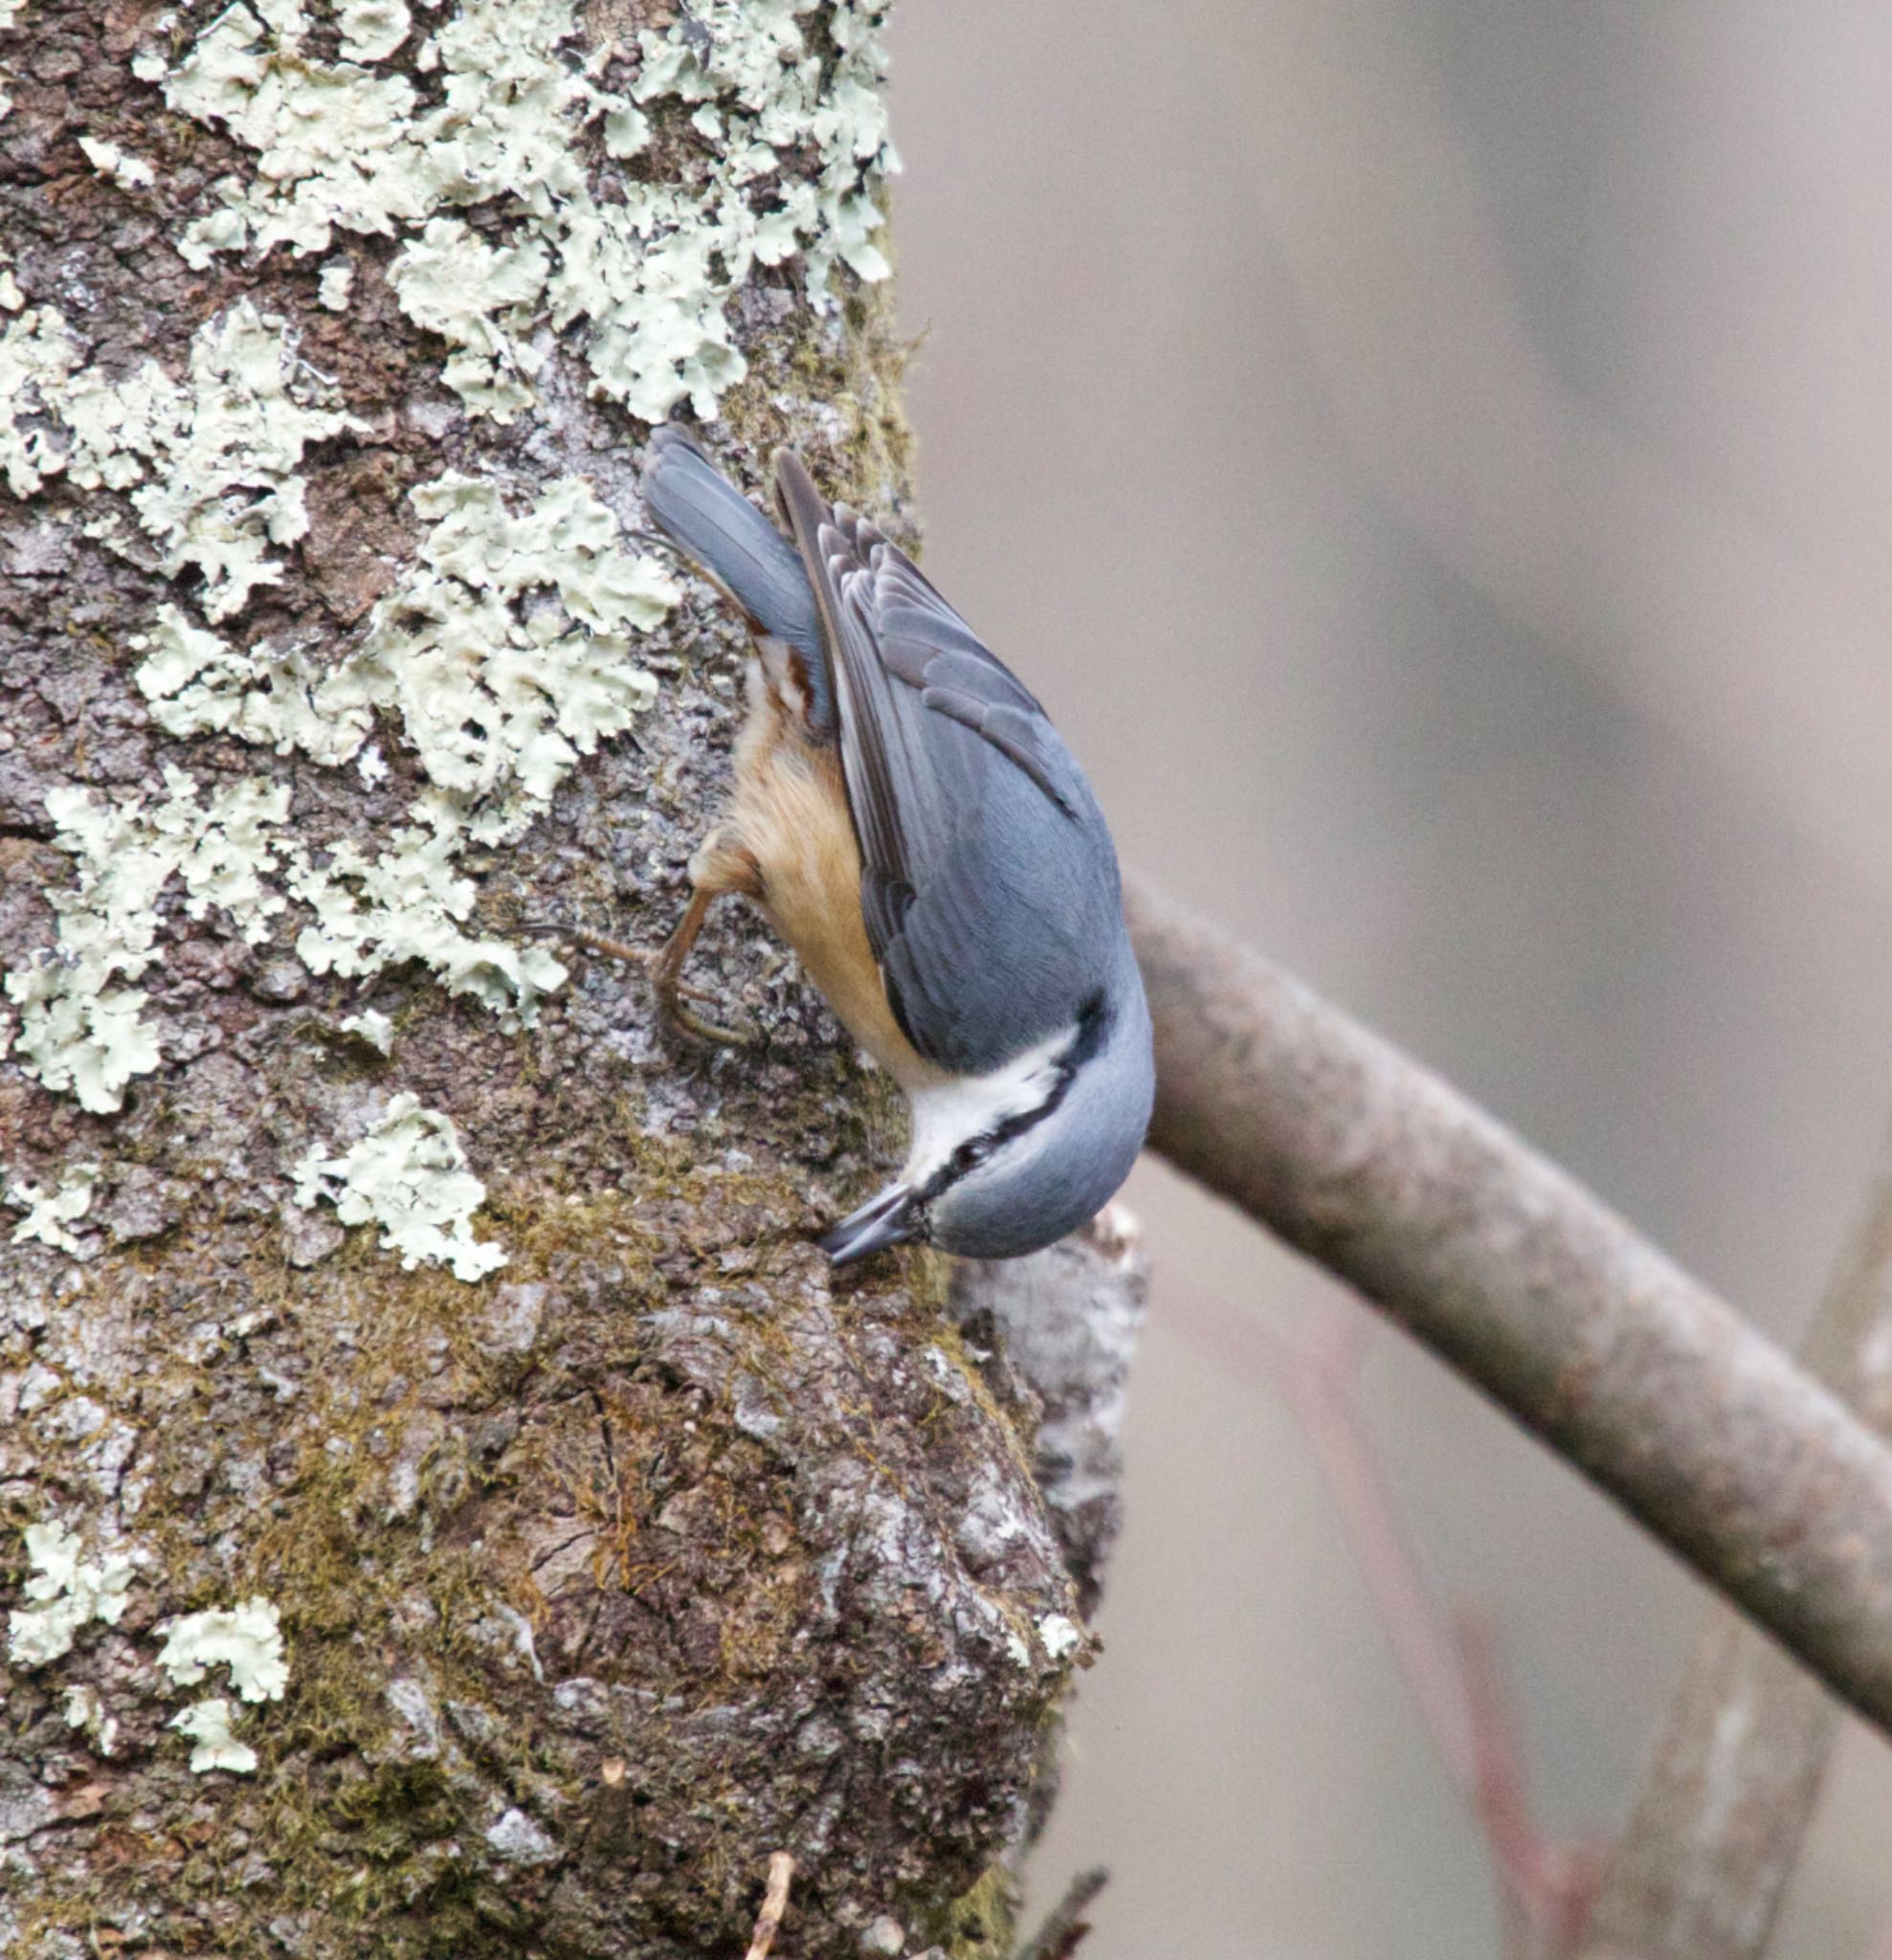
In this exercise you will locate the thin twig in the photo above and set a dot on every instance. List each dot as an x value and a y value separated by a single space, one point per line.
1452 1673
1551 1885
775 1902
1065 1926
1504 1265
1716 1829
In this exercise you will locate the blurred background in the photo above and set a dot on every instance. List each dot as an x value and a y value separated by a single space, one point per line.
1435 460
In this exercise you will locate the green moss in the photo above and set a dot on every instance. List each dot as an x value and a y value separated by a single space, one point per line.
358 1833
855 367
980 1924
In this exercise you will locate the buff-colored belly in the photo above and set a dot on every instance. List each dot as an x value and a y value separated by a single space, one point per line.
791 815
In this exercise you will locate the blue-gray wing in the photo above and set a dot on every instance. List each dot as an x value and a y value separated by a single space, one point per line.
989 883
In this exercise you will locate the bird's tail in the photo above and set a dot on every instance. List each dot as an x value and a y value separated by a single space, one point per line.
706 515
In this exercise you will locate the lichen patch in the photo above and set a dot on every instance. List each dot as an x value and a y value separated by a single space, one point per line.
79 1028
245 1641
207 1722
209 461
67 1590
507 653
795 151
105 157
409 1175
51 1215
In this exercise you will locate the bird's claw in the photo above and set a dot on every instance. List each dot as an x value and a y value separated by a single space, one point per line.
671 992
680 1016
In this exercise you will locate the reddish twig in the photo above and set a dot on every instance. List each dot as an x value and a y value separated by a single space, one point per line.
1453 1674
1547 1886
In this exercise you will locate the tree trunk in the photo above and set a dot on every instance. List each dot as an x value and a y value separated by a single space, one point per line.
450 1507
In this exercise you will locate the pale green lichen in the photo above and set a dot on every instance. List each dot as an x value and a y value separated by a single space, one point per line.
246 1640
336 283
372 30
210 462
207 1722
483 299
36 360
50 1215
373 1026
134 173
410 1177
79 1028
798 149
507 652
407 902
221 450
199 684
70 1591
85 1708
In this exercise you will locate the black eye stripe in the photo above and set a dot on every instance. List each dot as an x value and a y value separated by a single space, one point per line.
1093 1025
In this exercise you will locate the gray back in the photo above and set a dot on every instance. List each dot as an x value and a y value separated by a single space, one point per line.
989 884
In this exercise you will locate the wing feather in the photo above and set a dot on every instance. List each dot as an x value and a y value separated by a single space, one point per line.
988 881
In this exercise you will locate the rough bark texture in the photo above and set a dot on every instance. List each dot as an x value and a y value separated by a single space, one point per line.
1716 1829
1063 1327
1502 1264
600 1578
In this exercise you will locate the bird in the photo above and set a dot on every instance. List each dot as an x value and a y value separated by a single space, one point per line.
913 826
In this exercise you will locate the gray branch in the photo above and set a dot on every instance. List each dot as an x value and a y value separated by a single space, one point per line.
1716 1829
1504 1266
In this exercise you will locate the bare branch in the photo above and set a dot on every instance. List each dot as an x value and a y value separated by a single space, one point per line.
1716 1828
1504 1266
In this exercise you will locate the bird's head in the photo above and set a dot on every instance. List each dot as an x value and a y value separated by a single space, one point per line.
1007 1163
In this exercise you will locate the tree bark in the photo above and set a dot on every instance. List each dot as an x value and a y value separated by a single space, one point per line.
417 1381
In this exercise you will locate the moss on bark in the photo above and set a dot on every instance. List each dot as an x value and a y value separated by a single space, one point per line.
601 1578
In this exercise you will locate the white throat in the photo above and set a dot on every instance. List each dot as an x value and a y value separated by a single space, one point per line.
950 1113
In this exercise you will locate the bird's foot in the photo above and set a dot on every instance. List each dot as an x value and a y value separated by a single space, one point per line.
670 990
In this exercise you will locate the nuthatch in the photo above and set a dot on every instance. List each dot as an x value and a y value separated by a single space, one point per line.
908 818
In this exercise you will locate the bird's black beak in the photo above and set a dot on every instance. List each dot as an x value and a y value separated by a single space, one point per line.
890 1218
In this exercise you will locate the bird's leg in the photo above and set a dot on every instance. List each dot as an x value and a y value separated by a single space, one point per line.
604 946
616 950
720 865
